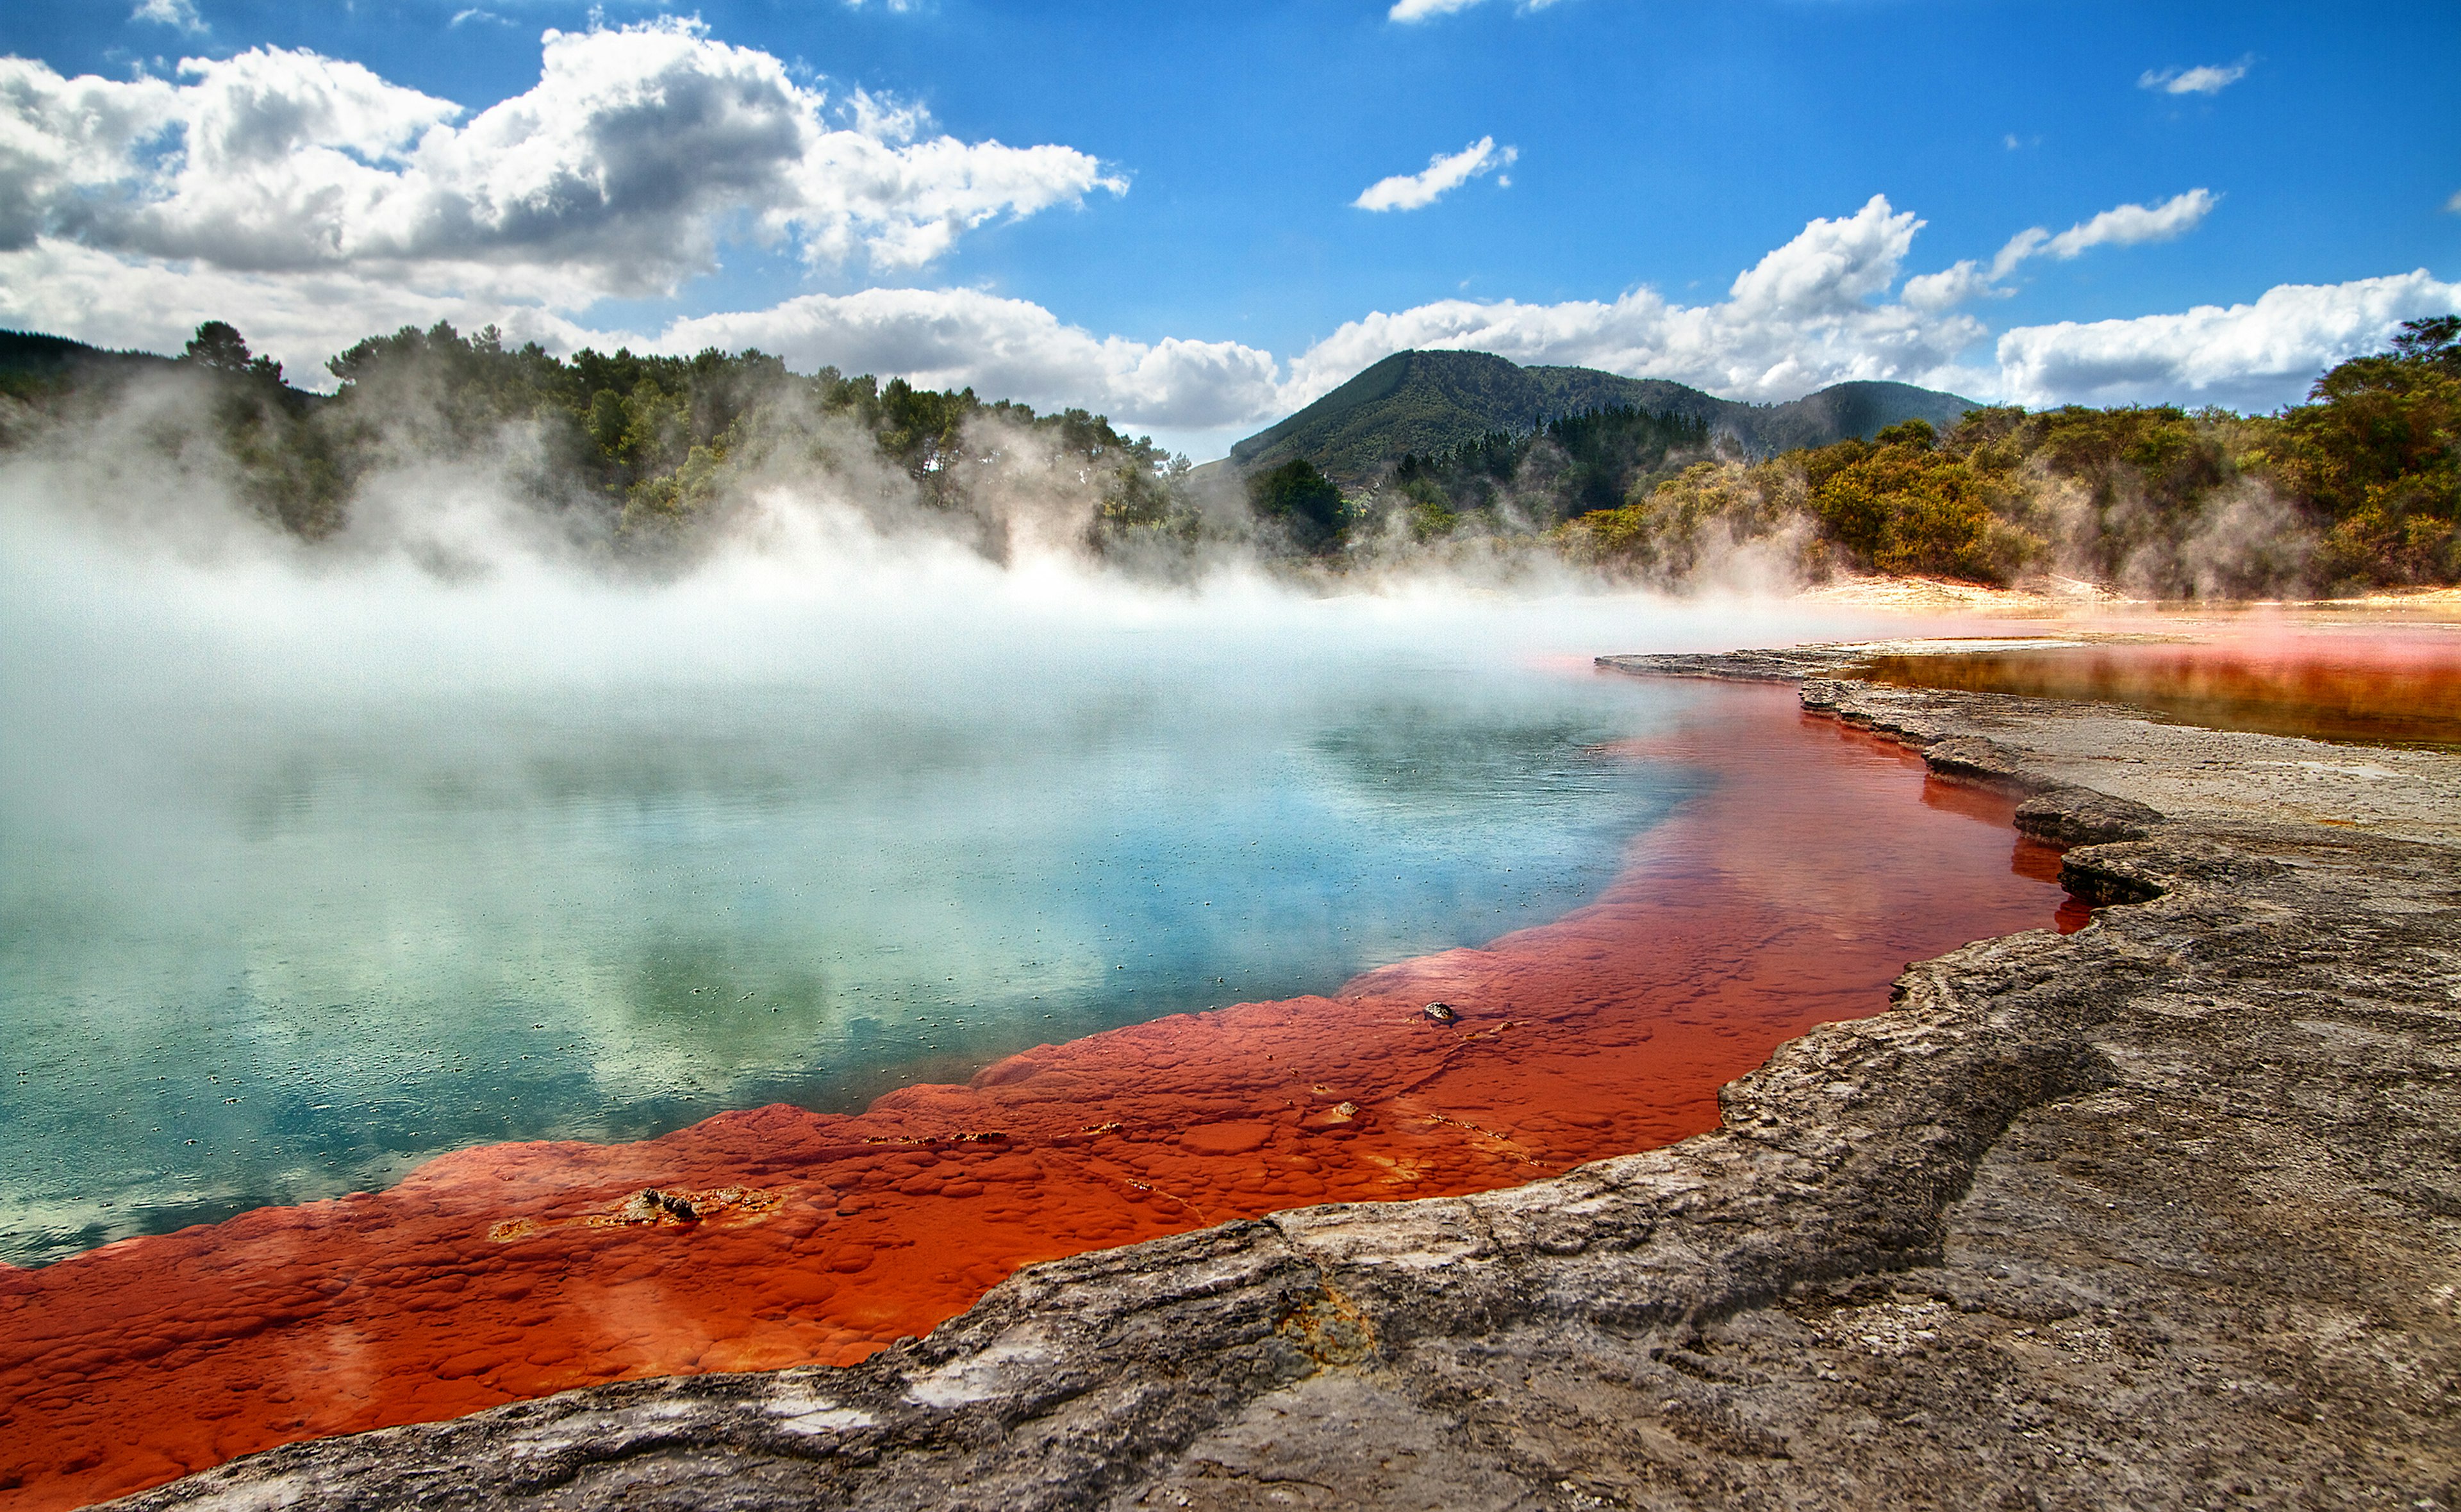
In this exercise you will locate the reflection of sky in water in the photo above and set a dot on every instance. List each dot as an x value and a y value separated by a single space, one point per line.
274 955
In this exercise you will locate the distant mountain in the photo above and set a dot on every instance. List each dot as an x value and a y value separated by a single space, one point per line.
1422 401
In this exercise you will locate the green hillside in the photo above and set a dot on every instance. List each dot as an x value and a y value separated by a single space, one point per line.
30 360
1423 402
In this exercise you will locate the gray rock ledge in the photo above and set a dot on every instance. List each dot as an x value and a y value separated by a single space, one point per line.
2163 1213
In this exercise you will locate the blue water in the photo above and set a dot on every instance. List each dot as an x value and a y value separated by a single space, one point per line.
262 942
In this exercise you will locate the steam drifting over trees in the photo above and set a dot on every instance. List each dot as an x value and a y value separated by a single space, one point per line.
646 461
2359 487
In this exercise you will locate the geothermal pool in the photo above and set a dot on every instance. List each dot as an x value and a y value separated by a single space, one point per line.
253 954
401 938
1798 870
2371 683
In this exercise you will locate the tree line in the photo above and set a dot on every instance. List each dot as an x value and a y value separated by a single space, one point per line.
646 450
2357 487
2360 486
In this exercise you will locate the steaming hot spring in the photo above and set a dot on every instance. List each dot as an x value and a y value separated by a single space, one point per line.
431 990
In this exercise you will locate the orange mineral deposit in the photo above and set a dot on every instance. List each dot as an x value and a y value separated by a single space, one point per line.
1791 892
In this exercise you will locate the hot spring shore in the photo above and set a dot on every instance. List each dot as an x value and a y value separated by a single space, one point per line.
2163 1212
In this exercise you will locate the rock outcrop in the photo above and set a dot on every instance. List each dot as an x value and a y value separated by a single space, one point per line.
2165 1212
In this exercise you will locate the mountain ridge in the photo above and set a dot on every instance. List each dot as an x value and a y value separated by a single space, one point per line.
1423 402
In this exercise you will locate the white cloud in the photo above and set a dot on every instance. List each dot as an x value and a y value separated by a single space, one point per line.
2128 224
1003 349
1444 173
1827 306
2122 225
1950 286
2454 204
1808 314
2254 355
940 338
1406 11
181 13
2210 78
1830 266
1815 311
619 173
297 318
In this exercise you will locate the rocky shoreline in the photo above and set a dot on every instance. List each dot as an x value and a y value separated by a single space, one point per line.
2164 1212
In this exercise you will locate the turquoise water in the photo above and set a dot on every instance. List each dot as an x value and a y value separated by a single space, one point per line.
279 924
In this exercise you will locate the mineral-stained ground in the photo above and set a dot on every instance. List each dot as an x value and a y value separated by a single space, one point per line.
2165 1212
1788 892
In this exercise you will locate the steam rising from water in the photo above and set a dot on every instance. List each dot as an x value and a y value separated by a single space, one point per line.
315 861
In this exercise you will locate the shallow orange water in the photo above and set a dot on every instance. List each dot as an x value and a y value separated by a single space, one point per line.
1792 893
2387 687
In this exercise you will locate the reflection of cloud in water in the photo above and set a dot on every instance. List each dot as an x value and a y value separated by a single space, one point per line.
329 873
1848 891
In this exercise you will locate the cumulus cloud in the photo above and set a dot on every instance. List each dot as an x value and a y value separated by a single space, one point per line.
1830 305
1814 312
2252 356
298 319
618 172
1811 312
1444 172
181 13
2210 78
2122 225
1002 348
941 339
1806 315
1817 311
1950 286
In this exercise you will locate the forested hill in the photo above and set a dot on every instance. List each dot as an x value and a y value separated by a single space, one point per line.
629 455
1425 402
645 463
30 357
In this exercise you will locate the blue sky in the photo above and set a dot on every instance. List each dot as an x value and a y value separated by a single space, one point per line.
1190 254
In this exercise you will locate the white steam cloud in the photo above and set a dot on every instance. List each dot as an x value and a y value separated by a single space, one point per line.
1444 173
818 535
